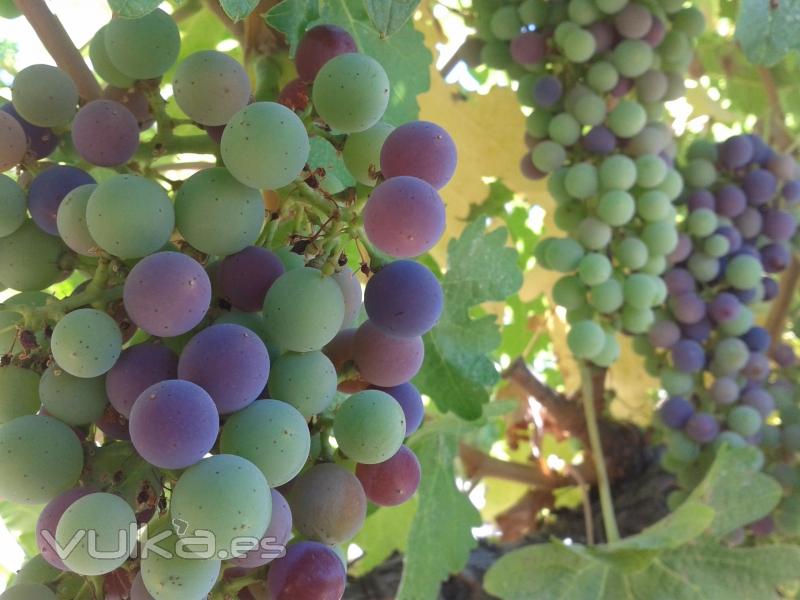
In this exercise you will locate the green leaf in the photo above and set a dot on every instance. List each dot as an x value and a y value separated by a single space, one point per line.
133 9
390 15
117 468
767 29
494 204
385 531
290 17
325 156
457 373
440 538
238 9
21 522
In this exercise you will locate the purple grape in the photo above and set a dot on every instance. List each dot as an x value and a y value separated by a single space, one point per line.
775 257
13 142
763 527
656 34
761 151
275 538
529 170
105 133
41 140
791 191
385 360
48 190
604 36
215 132
770 287
749 223
295 95
759 186
724 307
309 571
688 356
702 428
173 424
736 151
730 201
404 217
757 339
679 281
745 296
675 412
137 368
757 367
529 48
167 293
682 250
547 91
747 250
391 482
624 85
419 149
48 521
351 292
783 166
664 334
779 225
410 400
318 45
699 332
724 390
688 308
114 425
244 278
135 101
600 140
700 199
732 235
230 362
138 590
784 355
403 299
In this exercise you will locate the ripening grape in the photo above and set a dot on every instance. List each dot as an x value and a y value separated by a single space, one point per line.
13 142
369 426
211 87
105 133
137 368
309 571
319 45
273 542
306 381
73 400
44 95
385 360
362 152
86 342
702 427
48 190
143 48
101 62
420 149
393 481
135 100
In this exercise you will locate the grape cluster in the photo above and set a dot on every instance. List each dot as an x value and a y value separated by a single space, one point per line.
596 75
719 369
226 360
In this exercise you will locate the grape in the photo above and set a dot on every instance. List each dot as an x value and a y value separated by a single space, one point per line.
306 381
271 434
654 206
48 190
757 339
226 495
660 237
717 245
105 133
736 151
138 368
101 62
744 420
528 48
581 181
403 299
534 12
274 539
783 354
138 589
569 292
652 86
362 152
782 166
295 95
73 400
632 58
617 172
599 141
634 21
218 215
48 459
12 205
730 355
48 521
230 362
351 293
664 334
594 269
582 12
135 101
303 310
758 367
759 186
71 220
404 217
639 290
770 289
675 383
505 23
385 360
547 91
309 571
548 156
606 297
779 225
759 399
626 119
410 401
210 87
173 424
611 7
319 45
351 92
393 481
265 145
702 428
419 149
13 142
245 277
675 412
537 123
86 342
28 591
651 171
143 48
41 140
688 356
616 208
724 390
687 307
130 216
743 272
749 223
289 259
369 426
585 339
496 55
167 293
593 234
579 45
791 191
704 268
44 96
563 254
631 253
724 307
19 393
333 517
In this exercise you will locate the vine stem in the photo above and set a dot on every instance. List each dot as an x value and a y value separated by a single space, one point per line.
603 486
58 43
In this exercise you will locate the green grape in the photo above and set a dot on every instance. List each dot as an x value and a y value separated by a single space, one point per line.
303 310
211 87
29 258
590 109
568 216
586 339
730 355
107 515
555 186
496 55
9 10
632 58
226 495
561 32
101 62
44 96
681 447
48 459
716 245
583 12
130 216
652 86
593 234
86 342
534 12
627 118
617 172
563 254
702 148
143 48
606 297
676 383
632 253
265 145
351 92
73 400
610 352
652 139
581 181
216 214
702 222
36 570
290 260
639 290
270 434
12 206
616 208
564 129
744 420
369 427
524 91
653 206
538 122
704 268
540 253
579 45
700 173
637 320
611 7
743 272
602 77
650 171
307 381
675 50
362 152
661 291
19 393
594 268
672 185
741 324
661 237
10 317
548 156
689 20
584 313
71 220
569 292
505 23
28 591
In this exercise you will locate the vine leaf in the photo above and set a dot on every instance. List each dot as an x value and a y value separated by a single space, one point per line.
767 30
133 9
290 17
390 15
457 373
238 9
